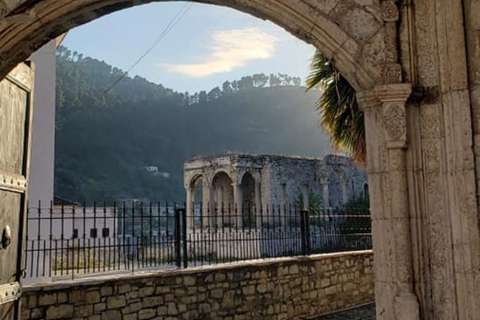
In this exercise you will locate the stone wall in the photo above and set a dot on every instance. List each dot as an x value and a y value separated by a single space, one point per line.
288 288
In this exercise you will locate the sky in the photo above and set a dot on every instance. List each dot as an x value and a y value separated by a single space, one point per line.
209 45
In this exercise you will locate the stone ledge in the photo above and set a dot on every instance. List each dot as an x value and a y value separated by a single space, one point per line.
69 284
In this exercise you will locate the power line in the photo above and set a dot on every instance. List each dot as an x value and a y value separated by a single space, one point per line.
167 29
175 20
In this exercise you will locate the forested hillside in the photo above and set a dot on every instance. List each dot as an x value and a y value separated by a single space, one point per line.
105 137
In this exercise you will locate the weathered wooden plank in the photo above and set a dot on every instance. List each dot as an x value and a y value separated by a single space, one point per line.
13 116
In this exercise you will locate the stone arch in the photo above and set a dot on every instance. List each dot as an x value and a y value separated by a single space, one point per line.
222 187
249 199
194 178
348 32
248 189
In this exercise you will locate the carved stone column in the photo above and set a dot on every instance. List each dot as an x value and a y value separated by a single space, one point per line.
386 134
394 98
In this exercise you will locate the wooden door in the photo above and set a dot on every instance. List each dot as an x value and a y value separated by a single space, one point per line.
16 92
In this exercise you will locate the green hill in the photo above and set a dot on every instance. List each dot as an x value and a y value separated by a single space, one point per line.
105 138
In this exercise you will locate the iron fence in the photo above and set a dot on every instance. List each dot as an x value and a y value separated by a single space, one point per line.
72 241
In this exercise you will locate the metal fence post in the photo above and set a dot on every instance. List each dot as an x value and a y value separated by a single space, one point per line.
307 231
303 229
183 213
178 248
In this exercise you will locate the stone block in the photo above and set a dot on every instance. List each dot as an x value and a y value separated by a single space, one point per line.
161 311
25 314
146 314
83 311
77 296
99 307
37 313
172 309
92 297
47 299
133 307
147 291
131 316
189 280
106 291
124 288
152 301
32 301
216 294
116 302
111 315
63 311
62 297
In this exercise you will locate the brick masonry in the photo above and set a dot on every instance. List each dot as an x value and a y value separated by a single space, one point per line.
286 288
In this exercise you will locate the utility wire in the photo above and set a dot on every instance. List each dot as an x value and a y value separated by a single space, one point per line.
176 19
169 27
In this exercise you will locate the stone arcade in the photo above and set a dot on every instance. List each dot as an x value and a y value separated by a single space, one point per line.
237 180
415 65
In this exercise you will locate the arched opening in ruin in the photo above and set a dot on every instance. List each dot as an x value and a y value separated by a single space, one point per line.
224 203
199 203
249 200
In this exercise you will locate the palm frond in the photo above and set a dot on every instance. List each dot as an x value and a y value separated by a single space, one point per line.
340 114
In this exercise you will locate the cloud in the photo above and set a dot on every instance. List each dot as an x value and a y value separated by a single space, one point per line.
230 49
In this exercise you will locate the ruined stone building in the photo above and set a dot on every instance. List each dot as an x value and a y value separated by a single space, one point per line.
235 181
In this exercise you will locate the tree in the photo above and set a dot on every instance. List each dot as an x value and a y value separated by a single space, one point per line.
213 94
260 80
297 81
227 88
202 97
340 114
274 80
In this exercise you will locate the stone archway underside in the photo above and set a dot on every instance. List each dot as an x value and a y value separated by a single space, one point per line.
420 146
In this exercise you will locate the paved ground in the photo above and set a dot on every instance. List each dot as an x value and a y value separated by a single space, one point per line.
362 313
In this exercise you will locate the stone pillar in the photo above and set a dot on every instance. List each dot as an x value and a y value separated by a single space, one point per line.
326 196
237 204
190 206
258 204
208 204
386 134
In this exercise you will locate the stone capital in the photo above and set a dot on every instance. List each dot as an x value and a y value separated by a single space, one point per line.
367 100
396 92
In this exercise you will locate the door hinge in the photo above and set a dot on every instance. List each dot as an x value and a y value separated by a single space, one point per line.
10 292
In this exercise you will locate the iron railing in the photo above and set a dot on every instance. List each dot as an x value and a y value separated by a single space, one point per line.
71 241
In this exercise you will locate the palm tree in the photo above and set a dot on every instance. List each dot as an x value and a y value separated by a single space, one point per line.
340 114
